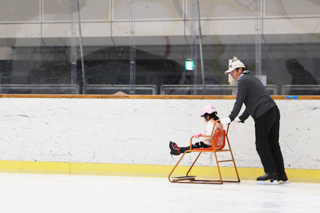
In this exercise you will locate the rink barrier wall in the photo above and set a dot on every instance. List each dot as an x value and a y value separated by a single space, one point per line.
65 156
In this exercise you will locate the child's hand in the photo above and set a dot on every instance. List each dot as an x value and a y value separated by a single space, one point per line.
197 135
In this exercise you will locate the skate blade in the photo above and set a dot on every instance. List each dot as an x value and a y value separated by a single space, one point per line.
267 182
285 182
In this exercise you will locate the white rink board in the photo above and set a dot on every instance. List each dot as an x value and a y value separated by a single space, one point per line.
137 131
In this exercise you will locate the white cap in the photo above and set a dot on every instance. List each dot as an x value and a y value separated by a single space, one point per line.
234 65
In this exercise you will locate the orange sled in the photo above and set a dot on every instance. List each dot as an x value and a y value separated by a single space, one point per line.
219 143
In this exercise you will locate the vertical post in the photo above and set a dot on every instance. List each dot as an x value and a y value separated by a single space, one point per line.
73 54
258 39
193 45
200 47
132 48
81 50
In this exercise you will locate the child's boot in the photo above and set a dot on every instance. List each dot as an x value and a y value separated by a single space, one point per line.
175 150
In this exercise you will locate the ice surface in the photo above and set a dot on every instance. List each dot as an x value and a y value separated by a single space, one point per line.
47 193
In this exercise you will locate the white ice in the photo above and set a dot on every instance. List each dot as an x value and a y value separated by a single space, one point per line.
46 193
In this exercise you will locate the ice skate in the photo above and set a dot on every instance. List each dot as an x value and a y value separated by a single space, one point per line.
283 178
174 149
273 177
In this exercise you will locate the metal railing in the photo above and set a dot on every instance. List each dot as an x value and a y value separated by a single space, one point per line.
39 89
210 89
112 89
300 90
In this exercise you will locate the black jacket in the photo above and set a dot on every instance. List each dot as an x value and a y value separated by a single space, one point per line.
255 97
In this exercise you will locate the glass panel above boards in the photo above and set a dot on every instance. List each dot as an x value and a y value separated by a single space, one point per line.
130 45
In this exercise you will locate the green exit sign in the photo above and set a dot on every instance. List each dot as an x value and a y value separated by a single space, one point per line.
189 65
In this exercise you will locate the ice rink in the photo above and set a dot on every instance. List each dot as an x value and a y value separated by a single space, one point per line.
72 193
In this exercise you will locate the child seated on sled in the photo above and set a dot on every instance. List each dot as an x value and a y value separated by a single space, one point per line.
209 113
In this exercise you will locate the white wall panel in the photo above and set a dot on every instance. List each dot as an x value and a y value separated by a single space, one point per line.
20 11
224 9
291 8
148 10
290 26
20 30
91 10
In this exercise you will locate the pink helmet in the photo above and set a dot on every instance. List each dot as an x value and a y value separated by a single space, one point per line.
208 109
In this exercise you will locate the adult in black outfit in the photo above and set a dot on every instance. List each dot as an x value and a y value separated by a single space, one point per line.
266 115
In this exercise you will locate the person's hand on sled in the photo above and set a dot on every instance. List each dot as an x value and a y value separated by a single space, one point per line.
225 121
238 120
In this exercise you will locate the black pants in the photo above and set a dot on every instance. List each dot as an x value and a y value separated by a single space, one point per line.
194 146
267 141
